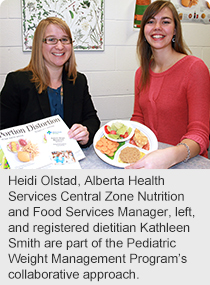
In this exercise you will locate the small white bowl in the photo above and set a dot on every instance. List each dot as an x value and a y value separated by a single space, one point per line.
123 122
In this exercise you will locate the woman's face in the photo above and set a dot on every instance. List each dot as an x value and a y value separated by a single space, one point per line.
55 56
160 29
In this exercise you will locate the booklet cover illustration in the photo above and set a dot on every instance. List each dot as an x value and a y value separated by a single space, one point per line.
41 144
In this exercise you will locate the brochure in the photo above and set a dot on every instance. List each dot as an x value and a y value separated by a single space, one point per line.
40 144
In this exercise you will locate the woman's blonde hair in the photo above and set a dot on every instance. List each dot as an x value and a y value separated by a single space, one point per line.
144 50
41 76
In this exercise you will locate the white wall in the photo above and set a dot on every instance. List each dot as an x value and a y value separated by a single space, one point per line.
110 72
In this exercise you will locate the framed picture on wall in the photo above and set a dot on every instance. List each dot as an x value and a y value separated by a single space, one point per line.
85 19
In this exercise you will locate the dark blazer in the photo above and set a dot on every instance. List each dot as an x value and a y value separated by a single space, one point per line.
20 102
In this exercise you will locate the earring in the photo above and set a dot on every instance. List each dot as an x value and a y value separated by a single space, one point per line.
173 39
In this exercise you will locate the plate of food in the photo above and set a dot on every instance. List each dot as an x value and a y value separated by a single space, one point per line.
122 152
24 150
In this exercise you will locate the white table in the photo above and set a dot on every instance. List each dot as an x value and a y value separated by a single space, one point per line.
92 161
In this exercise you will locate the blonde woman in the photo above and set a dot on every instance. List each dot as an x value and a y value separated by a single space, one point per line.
50 85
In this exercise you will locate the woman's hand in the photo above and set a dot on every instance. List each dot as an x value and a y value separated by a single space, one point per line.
165 158
79 133
158 159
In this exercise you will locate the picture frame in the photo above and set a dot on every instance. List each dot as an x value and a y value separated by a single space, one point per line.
85 19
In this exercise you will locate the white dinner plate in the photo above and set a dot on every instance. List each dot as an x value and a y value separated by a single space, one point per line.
145 130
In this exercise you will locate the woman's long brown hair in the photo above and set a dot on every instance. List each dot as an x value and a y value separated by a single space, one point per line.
41 76
144 50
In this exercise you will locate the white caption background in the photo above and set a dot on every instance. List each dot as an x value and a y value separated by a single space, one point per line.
124 240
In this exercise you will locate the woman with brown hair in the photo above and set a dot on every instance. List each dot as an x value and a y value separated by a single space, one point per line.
50 85
172 89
